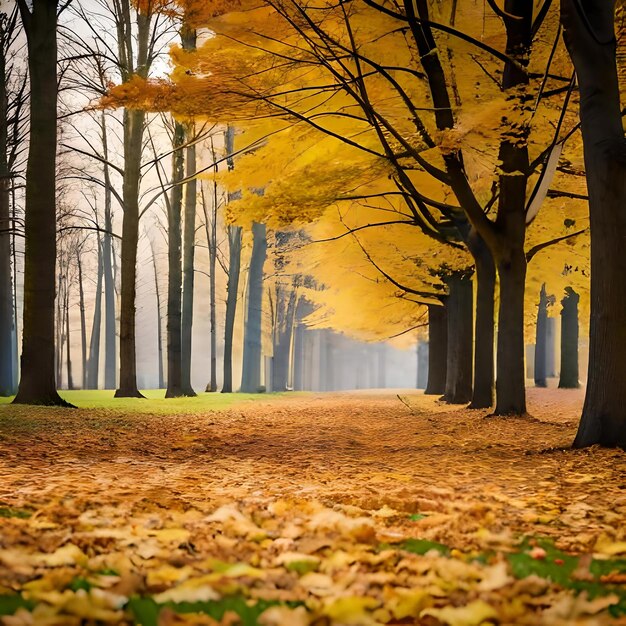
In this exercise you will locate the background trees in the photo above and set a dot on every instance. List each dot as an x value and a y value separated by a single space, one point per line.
414 142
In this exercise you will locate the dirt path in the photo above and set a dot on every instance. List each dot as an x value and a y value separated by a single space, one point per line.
92 478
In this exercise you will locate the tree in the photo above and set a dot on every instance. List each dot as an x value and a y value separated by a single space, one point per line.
188 38
37 382
569 340
589 33
541 339
176 387
93 364
12 98
252 348
234 268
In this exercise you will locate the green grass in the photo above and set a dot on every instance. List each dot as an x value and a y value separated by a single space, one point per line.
155 402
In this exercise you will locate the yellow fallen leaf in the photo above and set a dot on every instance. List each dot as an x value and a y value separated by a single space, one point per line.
352 611
403 602
69 554
282 615
474 614
605 545
193 590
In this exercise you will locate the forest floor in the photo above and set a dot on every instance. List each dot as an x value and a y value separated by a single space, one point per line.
349 508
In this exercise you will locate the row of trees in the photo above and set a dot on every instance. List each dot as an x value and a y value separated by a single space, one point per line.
426 136
396 83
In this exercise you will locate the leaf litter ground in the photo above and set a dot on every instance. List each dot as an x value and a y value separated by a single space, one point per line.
353 508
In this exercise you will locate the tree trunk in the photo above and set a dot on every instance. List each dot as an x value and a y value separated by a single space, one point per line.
133 127
159 323
234 266
422 364
93 367
511 375
210 221
188 38
590 39
110 339
482 395
189 236
175 386
541 339
83 323
7 384
37 383
281 361
68 335
251 375
569 340
133 135
437 349
460 339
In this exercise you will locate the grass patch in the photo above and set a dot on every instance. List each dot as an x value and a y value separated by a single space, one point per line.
156 403
7 511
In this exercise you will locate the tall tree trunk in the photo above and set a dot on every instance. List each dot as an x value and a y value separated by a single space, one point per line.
83 323
133 127
37 383
541 339
234 267
93 367
437 349
460 339
68 335
133 135
511 374
188 38
483 392
110 339
281 361
175 387
590 39
251 375
210 223
7 384
422 364
569 340
159 323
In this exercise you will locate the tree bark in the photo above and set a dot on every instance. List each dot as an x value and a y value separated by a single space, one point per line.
7 387
210 222
7 383
541 339
133 135
68 335
93 367
282 345
511 374
234 267
460 339
175 386
37 383
188 38
83 323
251 375
110 323
590 39
485 275
133 127
437 349
569 340
422 364
159 323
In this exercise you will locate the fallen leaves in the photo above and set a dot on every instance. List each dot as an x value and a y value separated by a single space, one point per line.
338 511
